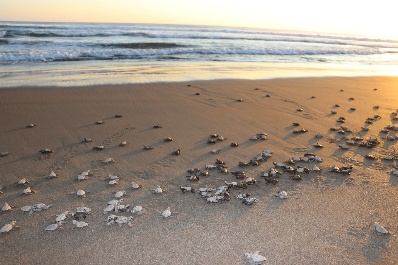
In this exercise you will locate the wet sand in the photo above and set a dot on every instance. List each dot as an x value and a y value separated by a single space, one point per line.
327 219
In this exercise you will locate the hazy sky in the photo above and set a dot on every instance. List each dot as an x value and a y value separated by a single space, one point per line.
376 18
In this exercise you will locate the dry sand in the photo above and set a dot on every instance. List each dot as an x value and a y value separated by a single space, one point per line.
328 218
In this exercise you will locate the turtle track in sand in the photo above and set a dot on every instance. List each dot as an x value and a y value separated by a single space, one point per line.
308 113
69 153
216 99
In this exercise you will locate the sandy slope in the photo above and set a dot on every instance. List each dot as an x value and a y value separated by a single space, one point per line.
328 218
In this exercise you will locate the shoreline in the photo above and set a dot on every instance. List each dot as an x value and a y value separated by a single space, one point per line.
154 83
327 219
118 72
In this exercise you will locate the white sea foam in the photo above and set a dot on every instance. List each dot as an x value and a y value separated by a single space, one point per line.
56 46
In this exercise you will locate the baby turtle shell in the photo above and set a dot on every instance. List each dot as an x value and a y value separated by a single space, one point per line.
81 193
6 207
166 213
134 185
4 153
137 209
158 190
53 227
79 224
120 194
381 229
113 182
28 191
61 217
318 145
26 208
148 147
282 195
255 258
46 151
99 147
51 175
22 181
99 122
109 161
8 227
177 152
215 151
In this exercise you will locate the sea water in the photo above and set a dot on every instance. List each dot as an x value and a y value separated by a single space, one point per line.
75 54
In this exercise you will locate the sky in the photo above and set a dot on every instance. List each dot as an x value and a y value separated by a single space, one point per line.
370 18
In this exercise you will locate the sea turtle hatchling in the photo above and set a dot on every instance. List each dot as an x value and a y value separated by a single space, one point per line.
113 182
80 193
99 122
211 141
40 206
255 258
4 153
317 145
158 190
109 161
83 209
187 188
254 137
215 151
120 194
83 175
6 207
148 147
282 194
113 177
79 224
137 209
381 229
316 168
53 227
168 139
27 208
87 140
31 125
109 208
193 178
28 191
121 207
46 151
8 227
166 213
51 175
250 201
62 216
99 147
22 181
134 185
123 144
177 152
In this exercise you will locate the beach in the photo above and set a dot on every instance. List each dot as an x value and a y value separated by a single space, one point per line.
328 217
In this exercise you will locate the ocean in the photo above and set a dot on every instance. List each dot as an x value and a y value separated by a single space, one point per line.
76 54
